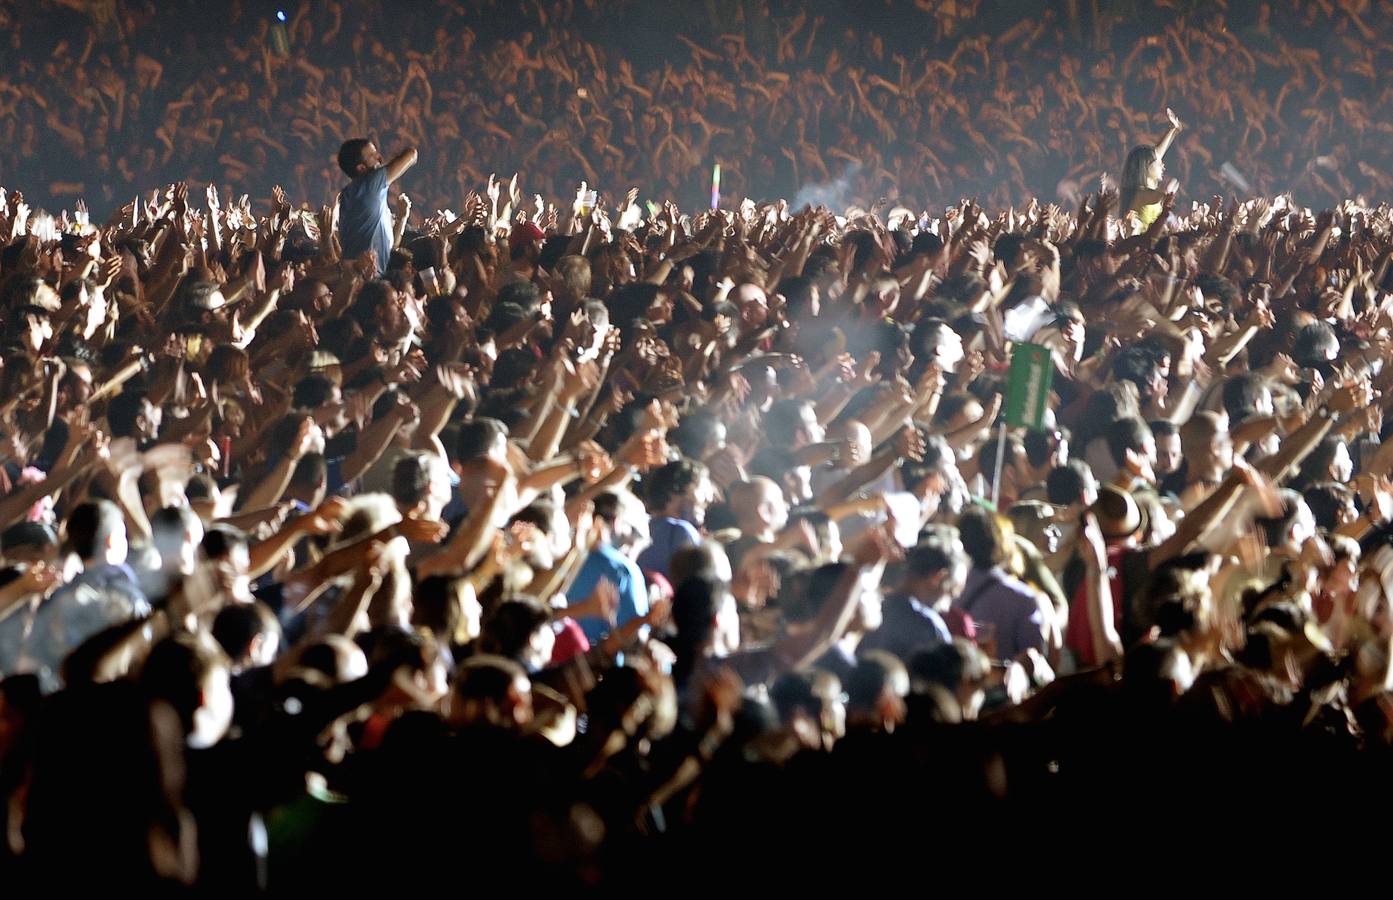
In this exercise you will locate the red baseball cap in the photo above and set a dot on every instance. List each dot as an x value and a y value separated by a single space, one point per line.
524 232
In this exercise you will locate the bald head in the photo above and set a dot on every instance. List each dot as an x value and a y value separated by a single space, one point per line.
759 506
752 302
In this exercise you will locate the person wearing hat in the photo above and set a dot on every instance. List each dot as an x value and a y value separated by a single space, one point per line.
525 252
1109 536
1113 545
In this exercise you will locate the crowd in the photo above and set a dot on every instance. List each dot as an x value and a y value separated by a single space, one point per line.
534 536
841 102
583 546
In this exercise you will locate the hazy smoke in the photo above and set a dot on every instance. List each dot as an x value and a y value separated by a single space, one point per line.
834 194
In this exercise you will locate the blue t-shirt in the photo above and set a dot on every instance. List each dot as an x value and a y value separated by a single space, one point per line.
908 626
668 535
608 563
365 223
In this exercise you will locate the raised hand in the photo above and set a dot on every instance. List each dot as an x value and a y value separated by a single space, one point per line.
644 451
111 270
594 462
932 381
1353 396
658 612
367 263
304 439
179 200
877 546
866 374
284 280
1377 494
972 365
329 219
455 379
405 410
514 193
409 368
630 216
492 191
910 445
375 562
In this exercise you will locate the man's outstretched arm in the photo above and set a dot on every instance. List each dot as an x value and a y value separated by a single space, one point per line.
400 163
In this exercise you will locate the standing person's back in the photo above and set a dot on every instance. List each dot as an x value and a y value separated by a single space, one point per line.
105 593
365 222
1008 608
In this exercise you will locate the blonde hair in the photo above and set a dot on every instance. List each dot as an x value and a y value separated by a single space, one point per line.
574 272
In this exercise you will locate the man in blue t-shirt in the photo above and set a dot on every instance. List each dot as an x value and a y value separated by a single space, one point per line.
365 223
619 526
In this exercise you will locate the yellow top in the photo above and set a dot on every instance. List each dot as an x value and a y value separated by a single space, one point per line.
1148 214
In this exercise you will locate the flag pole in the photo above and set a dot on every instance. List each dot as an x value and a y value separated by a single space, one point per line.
1000 458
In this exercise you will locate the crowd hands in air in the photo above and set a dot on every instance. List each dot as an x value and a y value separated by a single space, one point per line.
916 100
611 529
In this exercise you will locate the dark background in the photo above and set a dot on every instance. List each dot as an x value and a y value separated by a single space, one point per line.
55 145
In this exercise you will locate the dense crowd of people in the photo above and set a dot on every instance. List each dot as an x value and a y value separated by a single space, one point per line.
590 544
841 102
538 535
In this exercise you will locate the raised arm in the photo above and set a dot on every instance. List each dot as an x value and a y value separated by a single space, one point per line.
265 555
1216 508
798 649
269 490
1174 130
1299 444
1107 645
400 163
374 440
14 505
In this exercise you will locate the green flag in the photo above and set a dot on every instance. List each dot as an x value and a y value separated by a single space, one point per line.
1028 386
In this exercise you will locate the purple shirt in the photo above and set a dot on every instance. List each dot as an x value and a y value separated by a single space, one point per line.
994 598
